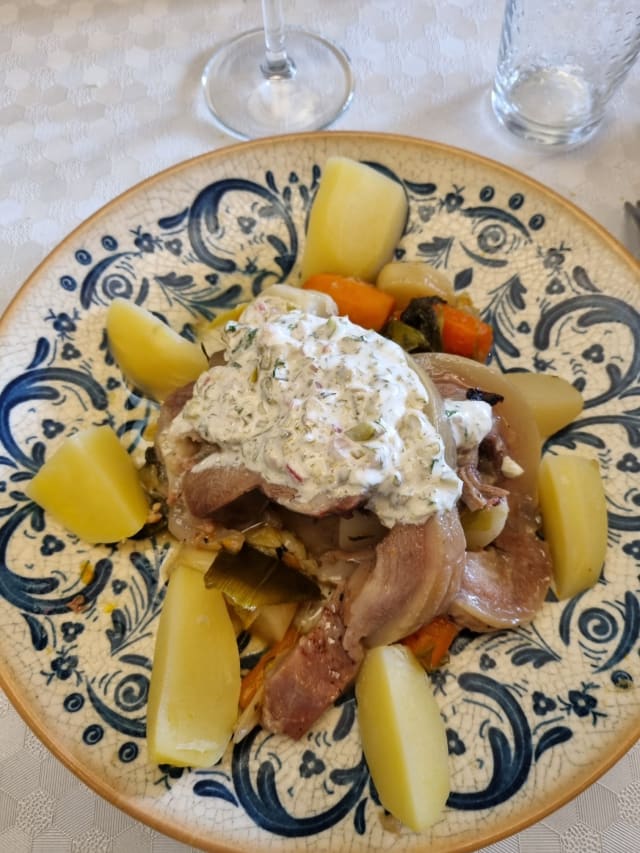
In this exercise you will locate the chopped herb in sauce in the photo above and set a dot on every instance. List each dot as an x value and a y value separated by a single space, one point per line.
326 408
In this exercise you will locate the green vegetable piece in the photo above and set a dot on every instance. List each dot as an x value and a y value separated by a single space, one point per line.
251 579
422 314
406 336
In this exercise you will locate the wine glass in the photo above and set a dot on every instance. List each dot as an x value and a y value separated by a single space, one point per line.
275 80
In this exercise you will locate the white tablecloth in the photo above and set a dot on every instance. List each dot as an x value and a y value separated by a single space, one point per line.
96 95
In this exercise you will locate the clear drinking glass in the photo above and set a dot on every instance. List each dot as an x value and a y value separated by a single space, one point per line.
277 80
560 62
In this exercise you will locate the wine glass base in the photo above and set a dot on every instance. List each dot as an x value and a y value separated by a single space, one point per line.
247 103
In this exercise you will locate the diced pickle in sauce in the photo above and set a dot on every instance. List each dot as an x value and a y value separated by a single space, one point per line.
153 357
574 521
90 485
403 736
195 681
357 218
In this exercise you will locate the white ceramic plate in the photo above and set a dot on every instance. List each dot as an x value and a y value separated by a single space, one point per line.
534 715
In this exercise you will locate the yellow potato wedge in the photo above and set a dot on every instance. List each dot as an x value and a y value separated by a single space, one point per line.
574 521
553 401
210 334
196 558
403 736
90 485
272 621
195 680
356 221
153 357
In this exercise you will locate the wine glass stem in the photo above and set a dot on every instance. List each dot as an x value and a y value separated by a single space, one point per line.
277 64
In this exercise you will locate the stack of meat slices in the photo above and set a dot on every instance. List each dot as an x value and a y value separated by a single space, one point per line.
400 578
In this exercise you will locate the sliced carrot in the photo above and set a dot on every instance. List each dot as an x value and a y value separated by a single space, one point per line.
463 333
432 641
254 679
360 301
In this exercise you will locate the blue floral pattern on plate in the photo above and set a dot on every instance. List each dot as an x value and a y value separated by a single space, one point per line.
529 713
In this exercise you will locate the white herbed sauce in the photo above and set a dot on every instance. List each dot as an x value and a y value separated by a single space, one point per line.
326 408
470 421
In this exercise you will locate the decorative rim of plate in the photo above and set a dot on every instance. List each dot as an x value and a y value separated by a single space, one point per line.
288 139
13 690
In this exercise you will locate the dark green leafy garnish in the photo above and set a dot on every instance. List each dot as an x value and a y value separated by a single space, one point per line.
422 314
410 339
486 396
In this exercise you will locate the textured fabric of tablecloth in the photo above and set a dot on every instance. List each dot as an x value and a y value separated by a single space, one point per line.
96 95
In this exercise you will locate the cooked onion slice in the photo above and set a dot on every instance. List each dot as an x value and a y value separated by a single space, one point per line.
482 526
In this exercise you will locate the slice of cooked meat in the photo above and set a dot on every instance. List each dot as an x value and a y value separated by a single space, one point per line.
475 493
208 487
505 584
208 490
185 527
478 491
479 467
205 488
417 573
173 405
177 455
415 577
494 446
319 534
308 679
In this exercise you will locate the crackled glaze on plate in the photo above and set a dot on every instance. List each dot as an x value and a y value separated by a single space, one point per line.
533 715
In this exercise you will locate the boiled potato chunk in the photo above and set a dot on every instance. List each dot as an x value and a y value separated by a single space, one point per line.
153 357
356 221
482 526
403 736
210 334
407 280
554 401
195 680
90 485
574 521
196 558
272 621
